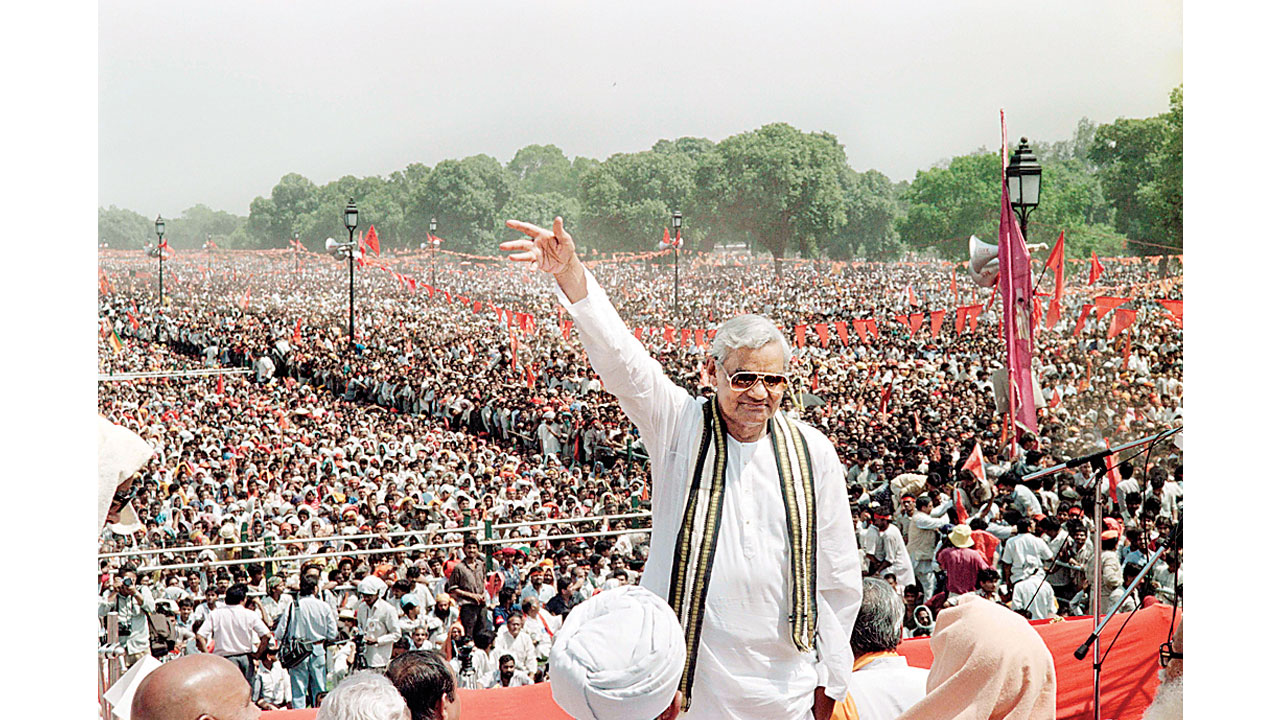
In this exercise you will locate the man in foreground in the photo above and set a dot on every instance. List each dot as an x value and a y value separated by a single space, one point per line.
883 684
427 685
738 484
195 686
598 673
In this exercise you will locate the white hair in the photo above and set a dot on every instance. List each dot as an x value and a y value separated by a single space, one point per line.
366 695
747 331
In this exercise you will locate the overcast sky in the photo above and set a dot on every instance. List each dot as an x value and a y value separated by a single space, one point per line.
213 101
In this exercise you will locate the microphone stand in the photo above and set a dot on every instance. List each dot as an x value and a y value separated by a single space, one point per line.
1097 461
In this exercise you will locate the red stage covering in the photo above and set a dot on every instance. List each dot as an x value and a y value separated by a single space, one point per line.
1128 676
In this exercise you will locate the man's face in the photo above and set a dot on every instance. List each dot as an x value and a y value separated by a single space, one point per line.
515 624
881 523
419 637
988 586
752 406
369 599
471 551
507 668
908 505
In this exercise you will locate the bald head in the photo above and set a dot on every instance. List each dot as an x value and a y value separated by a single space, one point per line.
194 687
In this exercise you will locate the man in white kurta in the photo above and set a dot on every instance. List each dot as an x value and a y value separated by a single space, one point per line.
747 664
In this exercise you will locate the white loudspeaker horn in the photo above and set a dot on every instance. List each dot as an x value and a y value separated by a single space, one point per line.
984 268
329 245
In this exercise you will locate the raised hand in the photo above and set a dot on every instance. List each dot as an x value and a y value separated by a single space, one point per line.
549 250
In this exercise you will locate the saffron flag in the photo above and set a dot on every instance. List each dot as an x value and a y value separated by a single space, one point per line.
1123 319
133 321
871 327
914 321
975 464
842 330
684 337
1095 267
297 332
861 327
821 329
1104 304
700 337
373 241
962 515
666 238
1016 293
639 332
800 328
935 321
1057 261
1174 307
114 341
219 383
1113 475
1057 399
911 296
1084 316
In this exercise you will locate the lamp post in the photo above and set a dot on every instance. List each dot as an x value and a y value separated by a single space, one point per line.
1022 177
435 248
160 252
351 216
676 220
296 243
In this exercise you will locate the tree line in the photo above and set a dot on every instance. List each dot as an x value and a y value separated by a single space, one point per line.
1115 189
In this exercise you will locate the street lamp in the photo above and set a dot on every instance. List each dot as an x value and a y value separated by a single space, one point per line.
351 216
435 247
160 251
676 220
1022 177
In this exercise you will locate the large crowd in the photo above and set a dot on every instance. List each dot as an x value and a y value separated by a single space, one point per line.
454 478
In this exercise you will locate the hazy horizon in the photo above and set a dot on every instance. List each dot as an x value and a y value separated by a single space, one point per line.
212 103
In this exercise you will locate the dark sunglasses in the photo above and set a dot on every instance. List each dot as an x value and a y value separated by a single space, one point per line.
1167 654
744 380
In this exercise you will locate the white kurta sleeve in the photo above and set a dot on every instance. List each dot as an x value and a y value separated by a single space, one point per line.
644 392
839 570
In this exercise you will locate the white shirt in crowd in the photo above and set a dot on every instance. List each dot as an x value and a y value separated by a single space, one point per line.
272 684
520 647
233 629
1025 553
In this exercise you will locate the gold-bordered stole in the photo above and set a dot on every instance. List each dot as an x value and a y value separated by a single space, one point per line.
791 452
697 538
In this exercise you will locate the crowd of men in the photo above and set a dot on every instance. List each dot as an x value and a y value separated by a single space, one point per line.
453 479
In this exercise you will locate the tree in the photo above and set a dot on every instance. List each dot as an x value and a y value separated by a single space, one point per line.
1140 169
945 205
629 198
467 197
782 186
871 209
541 169
122 228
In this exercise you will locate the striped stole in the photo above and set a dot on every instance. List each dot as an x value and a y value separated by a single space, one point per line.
696 542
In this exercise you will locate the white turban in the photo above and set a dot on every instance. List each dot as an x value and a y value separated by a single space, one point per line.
618 656
121 452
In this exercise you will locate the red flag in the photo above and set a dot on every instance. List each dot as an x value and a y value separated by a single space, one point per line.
861 327
244 302
1057 399
666 238
842 330
1128 340
974 312
1057 261
219 383
668 334
975 464
684 337
821 329
813 382
961 314
1174 307
679 241
566 330
476 308
297 332
132 320
871 325
1104 304
915 321
528 369
373 241
962 515
1084 315
935 321
955 293
911 295
906 321
800 328
1113 474
1095 267
700 337
1017 294
639 332
1123 319
884 397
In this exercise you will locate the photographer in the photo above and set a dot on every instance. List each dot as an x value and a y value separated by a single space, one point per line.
132 603
377 621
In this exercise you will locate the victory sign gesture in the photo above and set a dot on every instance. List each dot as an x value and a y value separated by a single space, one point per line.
550 251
